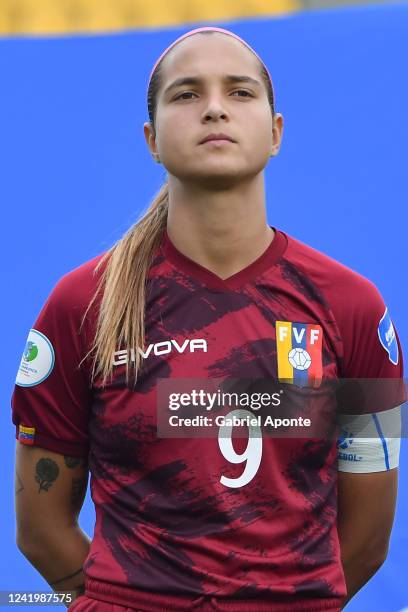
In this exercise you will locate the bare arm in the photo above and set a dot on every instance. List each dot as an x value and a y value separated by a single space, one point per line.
49 493
365 516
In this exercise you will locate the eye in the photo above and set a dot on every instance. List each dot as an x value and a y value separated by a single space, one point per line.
241 91
182 96
185 93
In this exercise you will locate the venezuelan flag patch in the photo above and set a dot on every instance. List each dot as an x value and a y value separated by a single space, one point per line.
26 435
299 353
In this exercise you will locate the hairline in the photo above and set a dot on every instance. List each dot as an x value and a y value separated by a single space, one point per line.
261 67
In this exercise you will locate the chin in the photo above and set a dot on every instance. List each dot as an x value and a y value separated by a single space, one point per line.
220 174
218 180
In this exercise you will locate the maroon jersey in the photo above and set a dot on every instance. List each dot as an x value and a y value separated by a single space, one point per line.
177 522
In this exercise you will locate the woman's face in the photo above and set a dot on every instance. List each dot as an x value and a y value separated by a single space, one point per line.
213 103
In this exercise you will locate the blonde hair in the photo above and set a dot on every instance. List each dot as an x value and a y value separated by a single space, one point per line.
121 316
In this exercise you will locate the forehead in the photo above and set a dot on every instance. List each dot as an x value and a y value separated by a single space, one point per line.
209 54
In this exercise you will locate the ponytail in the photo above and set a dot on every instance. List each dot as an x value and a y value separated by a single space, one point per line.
122 283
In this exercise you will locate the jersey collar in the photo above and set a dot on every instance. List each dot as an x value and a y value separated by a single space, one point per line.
248 274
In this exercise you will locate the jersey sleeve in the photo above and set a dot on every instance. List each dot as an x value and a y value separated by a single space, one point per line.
372 366
371 390
52 396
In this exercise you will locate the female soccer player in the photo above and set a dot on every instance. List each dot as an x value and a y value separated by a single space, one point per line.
202 289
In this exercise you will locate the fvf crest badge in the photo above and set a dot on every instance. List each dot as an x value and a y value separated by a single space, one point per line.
299 353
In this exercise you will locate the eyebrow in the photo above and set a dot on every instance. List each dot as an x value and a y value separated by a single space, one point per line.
229 78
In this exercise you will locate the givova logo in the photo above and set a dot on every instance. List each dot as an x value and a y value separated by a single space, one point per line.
160 348
37 361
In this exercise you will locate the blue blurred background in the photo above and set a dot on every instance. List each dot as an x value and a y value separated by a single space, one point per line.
75 174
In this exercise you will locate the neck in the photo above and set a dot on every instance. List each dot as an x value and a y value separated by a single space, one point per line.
222 230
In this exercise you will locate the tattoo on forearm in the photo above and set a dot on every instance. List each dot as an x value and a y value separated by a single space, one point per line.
78 490
46 472
19 484
73 462
66 577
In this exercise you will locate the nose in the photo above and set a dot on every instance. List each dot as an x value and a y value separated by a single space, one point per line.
214 110
213 113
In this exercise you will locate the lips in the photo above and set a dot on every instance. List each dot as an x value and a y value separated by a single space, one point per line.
219 136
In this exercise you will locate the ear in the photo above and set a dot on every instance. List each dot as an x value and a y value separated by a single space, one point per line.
150 138
277 132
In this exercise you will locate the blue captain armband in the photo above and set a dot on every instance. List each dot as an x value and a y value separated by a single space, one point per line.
369 442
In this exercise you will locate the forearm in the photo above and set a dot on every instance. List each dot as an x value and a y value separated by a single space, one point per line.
59 556
358 566
366 506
